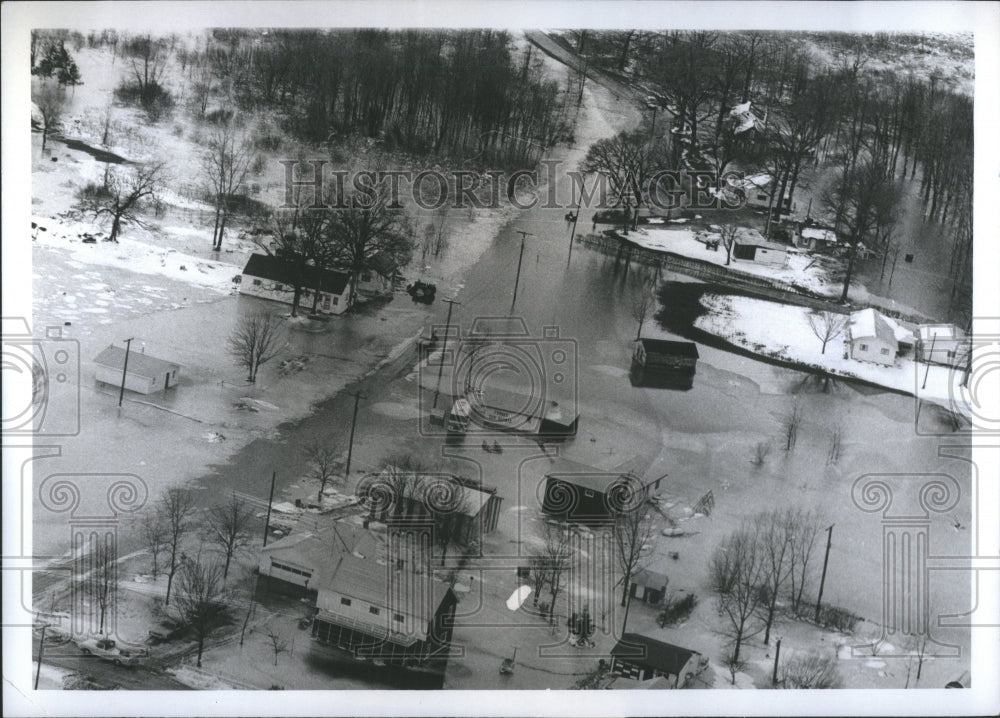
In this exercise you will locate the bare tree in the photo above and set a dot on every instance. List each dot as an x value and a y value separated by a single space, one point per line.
446 501
628 162
827 326
124 195
278 644
201 600
803 526
322 465
632 531
736 572
555 555
154 534
105 575
727 233
641 303
811 670
836 443
775 537
176 508
916 644
369 233
256 339
793 420
229 526
50 101
226 164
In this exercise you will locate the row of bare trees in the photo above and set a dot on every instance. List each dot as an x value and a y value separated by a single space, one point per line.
768 555
464 93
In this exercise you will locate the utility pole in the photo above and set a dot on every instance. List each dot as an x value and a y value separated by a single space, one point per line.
270 500
519 258
41 650
777 652
572 232
928 362
444 346
121 393
822 581
350 444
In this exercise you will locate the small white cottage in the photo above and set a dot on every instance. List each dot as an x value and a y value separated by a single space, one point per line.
872 338
145 374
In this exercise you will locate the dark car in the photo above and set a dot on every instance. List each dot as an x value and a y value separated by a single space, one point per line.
165 630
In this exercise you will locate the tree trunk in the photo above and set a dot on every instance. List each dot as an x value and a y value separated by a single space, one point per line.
170 581
201 647
115 228
850 270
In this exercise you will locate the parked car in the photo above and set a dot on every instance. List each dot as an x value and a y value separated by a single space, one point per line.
165 630
107 649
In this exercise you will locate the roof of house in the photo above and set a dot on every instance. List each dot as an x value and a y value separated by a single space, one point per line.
825 235
748 237
868 323
941 331
266 266
904 334
320 548
650 579
665 657
402 591
670 348
581 475
139 363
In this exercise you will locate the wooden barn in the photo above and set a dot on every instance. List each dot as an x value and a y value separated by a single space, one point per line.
664 363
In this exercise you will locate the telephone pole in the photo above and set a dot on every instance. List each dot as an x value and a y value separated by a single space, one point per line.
41 650
350 444
519 258
121 392
572 232
822 581
270 500
777 652
444 346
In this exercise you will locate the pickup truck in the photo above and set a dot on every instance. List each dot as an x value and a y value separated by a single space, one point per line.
107 649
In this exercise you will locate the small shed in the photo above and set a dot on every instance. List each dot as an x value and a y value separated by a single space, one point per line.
642 658
648 586
943 344
584 494
145 374
664 363
871 338
752 246
818 238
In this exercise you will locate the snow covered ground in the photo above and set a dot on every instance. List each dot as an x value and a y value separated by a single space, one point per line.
801 270
783 331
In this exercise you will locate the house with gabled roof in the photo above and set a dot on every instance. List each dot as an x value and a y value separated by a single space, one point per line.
871 338
270 277
584 494
641 658
144 373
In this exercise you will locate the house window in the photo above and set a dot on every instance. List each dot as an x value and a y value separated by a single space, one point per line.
326 301
761 196
951 354
399 564
336 301
256 282
279 287
366 277
864 347
374 610
885 352
397 617
345 601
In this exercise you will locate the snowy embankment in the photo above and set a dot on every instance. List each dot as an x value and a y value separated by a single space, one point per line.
132 255
782 331
801 269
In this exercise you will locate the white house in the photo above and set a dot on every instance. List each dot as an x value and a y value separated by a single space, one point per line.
757 190
268 277
751 246
871 338
145 374
943 344
818 238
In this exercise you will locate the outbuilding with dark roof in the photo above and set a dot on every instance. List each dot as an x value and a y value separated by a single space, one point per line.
642 658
